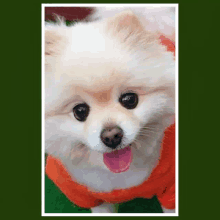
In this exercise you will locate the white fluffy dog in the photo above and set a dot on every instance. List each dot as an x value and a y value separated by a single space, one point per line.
109 96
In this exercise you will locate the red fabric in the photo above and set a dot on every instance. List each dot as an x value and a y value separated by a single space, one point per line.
168 43
161 181
69 13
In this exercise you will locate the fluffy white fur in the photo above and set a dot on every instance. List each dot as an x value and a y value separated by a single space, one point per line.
96 62
160 19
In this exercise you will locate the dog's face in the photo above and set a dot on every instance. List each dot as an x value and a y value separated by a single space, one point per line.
108 86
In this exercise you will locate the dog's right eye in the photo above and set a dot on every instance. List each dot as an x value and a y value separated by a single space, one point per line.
129 100
81 112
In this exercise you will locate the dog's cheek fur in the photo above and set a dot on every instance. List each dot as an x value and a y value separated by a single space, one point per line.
61 135
155 107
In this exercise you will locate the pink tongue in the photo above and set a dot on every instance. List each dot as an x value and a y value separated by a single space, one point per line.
118 161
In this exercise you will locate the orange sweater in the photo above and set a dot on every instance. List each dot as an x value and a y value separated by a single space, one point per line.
161 181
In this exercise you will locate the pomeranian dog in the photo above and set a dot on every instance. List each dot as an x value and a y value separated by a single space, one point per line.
110 106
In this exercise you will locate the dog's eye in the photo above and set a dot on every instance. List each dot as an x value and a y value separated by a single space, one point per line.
81 112
129 100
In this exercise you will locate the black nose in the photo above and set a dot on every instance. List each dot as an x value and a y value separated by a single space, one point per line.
112 136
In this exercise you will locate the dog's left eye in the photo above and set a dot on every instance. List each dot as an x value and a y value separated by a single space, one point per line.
129 100
81 112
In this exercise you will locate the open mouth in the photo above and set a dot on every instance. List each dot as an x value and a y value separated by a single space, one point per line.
119 160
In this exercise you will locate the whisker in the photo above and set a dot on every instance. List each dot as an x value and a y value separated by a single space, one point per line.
147 132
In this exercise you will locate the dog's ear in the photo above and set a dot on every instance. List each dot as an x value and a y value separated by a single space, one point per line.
54 43
128 27
126 20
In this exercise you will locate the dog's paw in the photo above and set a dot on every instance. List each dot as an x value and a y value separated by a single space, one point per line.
168 210
104 208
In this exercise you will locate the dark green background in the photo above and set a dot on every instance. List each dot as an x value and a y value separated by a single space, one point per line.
198 114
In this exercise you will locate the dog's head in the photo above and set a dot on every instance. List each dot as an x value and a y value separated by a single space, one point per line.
109 85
